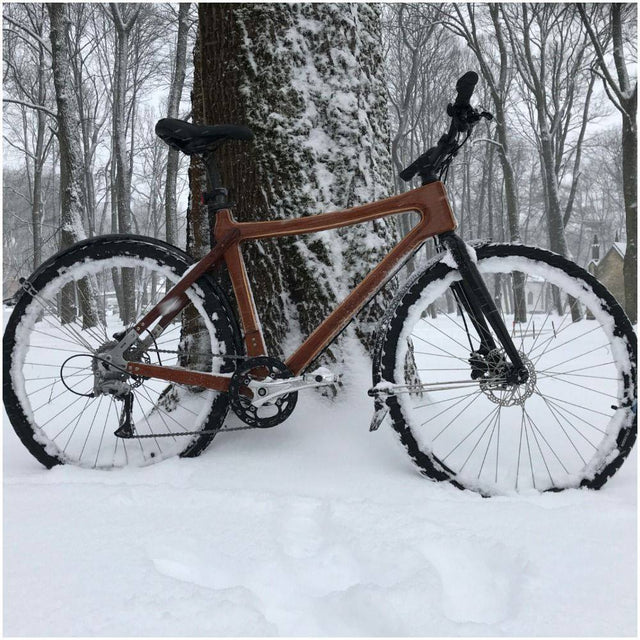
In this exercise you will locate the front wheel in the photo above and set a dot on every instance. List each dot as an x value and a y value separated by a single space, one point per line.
76 306
571 424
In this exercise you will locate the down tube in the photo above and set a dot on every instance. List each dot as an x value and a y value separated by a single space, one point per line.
342 315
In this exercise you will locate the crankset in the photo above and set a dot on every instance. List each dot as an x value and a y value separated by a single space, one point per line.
263 393
248 386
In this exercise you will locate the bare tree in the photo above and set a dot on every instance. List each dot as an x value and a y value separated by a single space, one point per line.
71 175
27 64
549 56
175 94
124 18
622 90
489 45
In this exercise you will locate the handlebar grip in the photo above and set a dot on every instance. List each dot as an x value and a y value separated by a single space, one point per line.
465 86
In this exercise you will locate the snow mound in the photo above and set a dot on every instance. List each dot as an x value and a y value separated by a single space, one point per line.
314 528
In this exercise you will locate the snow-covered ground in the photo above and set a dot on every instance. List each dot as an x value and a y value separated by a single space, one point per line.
316 527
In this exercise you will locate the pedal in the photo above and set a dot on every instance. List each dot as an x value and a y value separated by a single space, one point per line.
320 377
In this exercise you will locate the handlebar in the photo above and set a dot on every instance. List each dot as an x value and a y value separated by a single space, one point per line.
465 86
463 118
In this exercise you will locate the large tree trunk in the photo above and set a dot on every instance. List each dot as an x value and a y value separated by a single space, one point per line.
277 68
71 192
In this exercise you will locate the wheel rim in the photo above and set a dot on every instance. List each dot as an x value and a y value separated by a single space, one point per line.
564 429
78 429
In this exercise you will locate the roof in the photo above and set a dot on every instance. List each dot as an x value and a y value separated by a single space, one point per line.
620 247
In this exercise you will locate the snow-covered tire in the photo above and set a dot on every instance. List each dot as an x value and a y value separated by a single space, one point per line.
20 338
414 341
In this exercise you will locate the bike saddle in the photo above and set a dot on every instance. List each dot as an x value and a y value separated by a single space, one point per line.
198 138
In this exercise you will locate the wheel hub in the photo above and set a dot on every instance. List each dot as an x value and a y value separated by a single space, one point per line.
109 371
504 385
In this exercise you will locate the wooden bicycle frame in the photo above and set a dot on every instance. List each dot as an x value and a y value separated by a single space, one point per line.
429 201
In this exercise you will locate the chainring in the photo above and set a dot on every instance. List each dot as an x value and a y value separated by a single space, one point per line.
271 413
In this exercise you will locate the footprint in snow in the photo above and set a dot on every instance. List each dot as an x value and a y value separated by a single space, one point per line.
480 580
304 524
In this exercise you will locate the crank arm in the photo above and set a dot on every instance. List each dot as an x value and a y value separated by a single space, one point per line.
266 390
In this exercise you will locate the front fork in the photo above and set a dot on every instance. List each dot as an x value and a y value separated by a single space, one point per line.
478 303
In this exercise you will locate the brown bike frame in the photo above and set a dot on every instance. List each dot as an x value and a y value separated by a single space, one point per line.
429 201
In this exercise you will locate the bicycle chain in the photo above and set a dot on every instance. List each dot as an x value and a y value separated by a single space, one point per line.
188 433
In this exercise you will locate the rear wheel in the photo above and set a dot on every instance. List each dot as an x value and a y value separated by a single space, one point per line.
571 424
76 304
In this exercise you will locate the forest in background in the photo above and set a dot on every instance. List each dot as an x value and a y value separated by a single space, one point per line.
549 170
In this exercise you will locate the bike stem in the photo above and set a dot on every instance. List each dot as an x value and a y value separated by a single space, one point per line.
479 303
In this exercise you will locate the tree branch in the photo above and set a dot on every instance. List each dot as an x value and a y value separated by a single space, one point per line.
33 34
29 105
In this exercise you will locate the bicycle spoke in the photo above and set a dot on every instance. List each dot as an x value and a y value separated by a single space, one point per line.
535 426
444 334
564 430
573 404
56 397
581 386
488 417
533 475
486 452
447 409
544 460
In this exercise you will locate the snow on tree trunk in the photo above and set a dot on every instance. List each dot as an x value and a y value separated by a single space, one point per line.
307 79
71 192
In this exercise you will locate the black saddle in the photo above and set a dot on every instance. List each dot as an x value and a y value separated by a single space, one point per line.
198 138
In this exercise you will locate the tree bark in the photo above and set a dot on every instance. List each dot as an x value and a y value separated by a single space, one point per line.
123 26
175 94
71 191
623 93
254 61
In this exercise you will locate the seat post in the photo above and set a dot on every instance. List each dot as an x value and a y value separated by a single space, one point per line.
216 196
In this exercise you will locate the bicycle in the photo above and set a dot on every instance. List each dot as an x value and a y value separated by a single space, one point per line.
122 351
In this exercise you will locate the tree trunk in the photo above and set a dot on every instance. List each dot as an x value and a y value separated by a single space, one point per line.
123 184
630 186
71 192
308 155
175 94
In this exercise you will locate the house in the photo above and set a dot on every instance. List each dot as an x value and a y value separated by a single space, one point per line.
609 269
536 296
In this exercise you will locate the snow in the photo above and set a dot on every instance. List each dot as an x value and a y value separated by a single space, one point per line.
315 527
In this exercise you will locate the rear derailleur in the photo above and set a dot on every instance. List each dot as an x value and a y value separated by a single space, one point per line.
111 378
